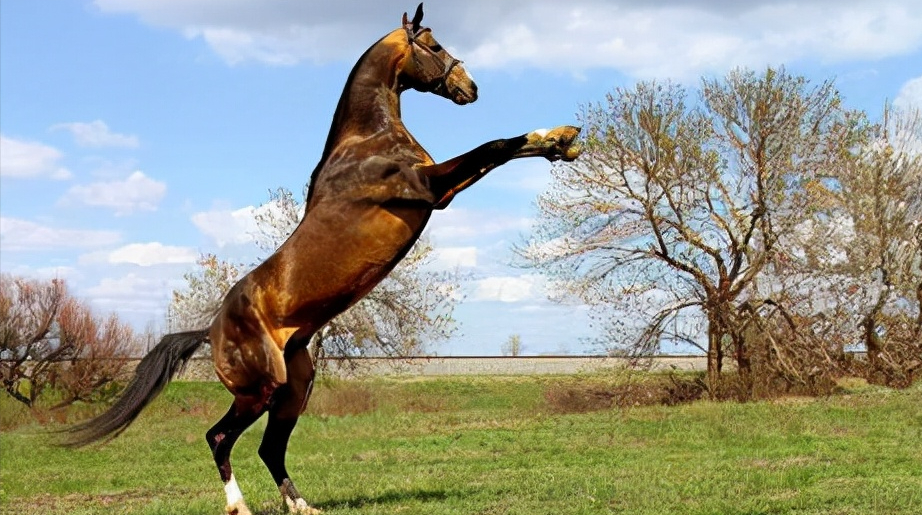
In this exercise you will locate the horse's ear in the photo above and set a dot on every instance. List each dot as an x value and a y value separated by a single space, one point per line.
417 18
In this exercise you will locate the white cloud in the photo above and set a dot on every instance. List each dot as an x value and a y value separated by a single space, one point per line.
68 273
97 134
450 258
137 192
508 289
642 39
525 176
276 221
458 224
19 235
130 293
227 227
121 287
29 159
684 40
143 254
274 32
910 95
237 46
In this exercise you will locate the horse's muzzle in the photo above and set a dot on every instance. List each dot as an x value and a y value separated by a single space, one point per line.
458 83
462 96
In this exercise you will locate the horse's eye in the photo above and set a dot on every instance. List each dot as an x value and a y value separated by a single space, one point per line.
436 48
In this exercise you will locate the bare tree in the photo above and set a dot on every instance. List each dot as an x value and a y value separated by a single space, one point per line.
99 350
28 308
670 218
49 339
194 306
513 346
410 308
870 252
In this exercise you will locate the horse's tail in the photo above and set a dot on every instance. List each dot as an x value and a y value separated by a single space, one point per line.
153 373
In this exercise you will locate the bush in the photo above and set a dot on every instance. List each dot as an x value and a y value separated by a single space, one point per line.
51 340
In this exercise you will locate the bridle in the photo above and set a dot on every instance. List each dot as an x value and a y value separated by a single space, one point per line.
414 30
442 84
448 66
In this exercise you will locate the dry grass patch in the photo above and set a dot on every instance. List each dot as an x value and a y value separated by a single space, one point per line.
585 397
341 398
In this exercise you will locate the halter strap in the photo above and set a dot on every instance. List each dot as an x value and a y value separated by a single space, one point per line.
448 66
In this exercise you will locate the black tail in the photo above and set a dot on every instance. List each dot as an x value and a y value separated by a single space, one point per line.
154 372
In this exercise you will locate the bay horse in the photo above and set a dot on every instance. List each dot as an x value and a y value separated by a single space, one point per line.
369 199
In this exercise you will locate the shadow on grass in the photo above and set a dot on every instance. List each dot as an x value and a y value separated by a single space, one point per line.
390 497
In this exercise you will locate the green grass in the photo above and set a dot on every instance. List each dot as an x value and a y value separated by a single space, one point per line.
493 446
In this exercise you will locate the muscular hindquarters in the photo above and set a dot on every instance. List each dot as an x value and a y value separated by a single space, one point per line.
335 256
248 356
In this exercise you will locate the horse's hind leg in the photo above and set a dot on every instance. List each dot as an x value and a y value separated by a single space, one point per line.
221 439
288 403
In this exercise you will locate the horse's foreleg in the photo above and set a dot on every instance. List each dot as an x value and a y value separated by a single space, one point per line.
289 402
455 175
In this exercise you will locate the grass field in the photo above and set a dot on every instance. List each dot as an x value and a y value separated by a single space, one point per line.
492 446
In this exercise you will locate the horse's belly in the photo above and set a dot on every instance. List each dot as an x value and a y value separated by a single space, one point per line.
337 255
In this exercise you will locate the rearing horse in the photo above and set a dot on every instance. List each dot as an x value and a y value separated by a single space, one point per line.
369 200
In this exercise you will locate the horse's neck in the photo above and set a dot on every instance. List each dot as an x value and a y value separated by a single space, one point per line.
370 101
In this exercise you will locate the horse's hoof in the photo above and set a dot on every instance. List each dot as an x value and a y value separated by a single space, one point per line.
300 507
238 508
562 143
296 504
572 152
564 134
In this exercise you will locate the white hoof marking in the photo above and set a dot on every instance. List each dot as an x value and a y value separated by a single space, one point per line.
299 506
296 505
234 495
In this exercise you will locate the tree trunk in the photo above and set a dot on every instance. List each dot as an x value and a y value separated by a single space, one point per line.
714 358
877 373
12 388
744 365
917 331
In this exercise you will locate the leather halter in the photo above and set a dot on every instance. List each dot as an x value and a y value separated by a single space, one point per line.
442 85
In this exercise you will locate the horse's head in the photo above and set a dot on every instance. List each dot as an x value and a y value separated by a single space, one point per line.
430 68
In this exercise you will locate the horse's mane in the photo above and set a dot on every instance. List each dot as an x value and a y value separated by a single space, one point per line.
340 106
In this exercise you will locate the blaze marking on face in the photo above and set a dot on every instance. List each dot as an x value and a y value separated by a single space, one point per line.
469 76
541 133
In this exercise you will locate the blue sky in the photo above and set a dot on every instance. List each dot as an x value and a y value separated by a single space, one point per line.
137 134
